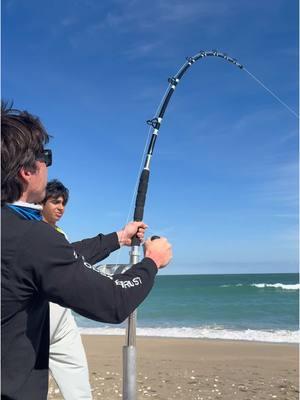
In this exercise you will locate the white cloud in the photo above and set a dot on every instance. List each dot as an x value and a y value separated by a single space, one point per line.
281 188
149 16
68 21
287 136
142 49
186 11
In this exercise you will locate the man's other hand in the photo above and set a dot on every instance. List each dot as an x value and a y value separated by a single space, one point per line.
160 250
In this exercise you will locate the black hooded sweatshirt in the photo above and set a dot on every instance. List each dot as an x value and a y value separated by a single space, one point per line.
39 265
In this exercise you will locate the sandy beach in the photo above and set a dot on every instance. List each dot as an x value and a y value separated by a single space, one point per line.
194 369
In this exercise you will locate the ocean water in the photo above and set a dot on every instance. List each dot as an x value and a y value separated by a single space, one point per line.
257 307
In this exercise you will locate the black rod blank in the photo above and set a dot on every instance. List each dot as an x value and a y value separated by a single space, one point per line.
156 123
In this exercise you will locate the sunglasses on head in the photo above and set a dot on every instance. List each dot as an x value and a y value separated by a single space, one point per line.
46 157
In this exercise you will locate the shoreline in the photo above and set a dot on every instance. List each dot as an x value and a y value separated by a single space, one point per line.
296 344
193 369
202 333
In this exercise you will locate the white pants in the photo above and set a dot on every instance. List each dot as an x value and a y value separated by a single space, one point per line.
67 359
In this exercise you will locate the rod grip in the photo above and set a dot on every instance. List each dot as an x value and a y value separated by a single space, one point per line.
140 202
141 195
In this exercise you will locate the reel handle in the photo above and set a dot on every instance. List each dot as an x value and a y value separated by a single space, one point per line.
154 237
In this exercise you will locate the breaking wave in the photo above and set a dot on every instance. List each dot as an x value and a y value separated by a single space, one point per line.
269 285
277 286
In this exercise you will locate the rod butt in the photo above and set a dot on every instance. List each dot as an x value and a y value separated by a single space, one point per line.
129 373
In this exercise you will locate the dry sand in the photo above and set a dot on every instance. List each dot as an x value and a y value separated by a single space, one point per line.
194 369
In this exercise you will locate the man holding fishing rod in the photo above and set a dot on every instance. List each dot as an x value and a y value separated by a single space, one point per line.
39 265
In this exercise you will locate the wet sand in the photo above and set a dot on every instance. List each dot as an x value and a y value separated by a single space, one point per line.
193 369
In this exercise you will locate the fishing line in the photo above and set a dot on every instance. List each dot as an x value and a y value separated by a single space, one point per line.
133 193
129 350
164 99
137 179
272 93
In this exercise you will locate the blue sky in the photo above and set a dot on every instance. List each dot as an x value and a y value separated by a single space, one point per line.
224 176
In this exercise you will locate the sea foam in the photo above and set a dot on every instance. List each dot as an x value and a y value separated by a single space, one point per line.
276 336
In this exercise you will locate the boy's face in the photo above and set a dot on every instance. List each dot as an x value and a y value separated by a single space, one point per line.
53 210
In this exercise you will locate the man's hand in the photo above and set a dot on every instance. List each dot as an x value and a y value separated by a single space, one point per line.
129 231
160 250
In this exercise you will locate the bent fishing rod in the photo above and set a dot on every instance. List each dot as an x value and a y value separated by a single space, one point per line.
156 123
129 350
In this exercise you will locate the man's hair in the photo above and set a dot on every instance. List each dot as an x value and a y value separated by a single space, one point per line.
56 189
22 142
